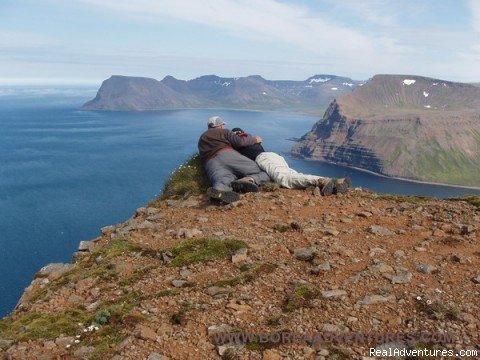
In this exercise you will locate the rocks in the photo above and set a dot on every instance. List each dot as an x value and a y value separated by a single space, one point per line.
380 231
427 268
188 233
157 356
476 280
364 214
87 246
240 256
381 267
402 276
64 341
53 271
377 251
5 344
217 291
467 229
145 333
325 266
180 283
332 232
305 254
83 352
375 299
329 294
220 328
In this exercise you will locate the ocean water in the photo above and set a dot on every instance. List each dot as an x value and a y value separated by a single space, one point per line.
65 173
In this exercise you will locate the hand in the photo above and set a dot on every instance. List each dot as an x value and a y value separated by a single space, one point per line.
258 139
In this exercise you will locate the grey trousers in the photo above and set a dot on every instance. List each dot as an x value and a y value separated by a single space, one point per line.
228 166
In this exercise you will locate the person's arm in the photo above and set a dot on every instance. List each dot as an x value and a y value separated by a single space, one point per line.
242 141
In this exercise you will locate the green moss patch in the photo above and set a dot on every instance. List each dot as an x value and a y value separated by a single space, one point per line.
301 296
203 250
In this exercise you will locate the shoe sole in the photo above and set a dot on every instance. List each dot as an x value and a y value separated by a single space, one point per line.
342 187
327 189
244 186
223 197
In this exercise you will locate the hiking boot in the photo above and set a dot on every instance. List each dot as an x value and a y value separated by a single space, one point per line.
342 185
244 185
218 197
326 186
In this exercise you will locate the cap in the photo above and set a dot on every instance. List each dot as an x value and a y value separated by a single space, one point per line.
235 130
215 121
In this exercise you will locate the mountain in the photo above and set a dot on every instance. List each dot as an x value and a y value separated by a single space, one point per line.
119 93
404 126
182 278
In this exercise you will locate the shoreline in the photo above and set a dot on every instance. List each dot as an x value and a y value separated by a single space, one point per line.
391 177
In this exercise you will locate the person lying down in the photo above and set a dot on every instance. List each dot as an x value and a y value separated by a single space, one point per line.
277 168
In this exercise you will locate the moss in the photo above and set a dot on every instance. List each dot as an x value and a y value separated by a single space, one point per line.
167 292
438 310
35 325
300 297
203 250
248 273
412 199
188 179
471 199
87 267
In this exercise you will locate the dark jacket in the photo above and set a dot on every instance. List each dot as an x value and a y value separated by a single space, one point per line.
214 140
251 151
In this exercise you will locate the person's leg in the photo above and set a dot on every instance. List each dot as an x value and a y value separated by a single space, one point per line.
242 166
219 175
277 168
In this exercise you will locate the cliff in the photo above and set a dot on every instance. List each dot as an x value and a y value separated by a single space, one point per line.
404 126
120 93
165 283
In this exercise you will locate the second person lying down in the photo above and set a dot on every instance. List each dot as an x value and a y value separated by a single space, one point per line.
277 168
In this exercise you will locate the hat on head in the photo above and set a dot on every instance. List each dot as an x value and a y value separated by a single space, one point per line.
235 130
215 121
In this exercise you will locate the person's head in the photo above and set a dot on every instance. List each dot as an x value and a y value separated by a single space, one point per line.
238 131
215 122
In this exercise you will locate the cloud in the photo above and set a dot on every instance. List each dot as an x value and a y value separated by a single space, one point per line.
475 8
265 21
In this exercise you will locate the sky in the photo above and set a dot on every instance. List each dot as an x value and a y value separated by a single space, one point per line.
87 41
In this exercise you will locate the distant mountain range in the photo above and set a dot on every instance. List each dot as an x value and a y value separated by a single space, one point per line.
404 126
121 93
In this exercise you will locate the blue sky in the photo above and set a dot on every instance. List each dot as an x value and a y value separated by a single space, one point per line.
86 41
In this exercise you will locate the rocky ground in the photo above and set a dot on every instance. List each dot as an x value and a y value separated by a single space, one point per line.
162 284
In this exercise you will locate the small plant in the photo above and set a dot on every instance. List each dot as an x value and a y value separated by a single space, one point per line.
438 310
101 318
203 250
301 296
248 273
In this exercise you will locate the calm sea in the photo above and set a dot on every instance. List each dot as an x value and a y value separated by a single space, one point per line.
65 173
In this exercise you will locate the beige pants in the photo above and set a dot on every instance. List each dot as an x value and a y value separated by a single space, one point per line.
277 168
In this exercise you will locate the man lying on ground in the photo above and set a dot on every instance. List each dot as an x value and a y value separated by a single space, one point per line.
279 171
225 167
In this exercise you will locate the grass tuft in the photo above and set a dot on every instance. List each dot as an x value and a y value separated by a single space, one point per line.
301 296
248 273
203 250
188 179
